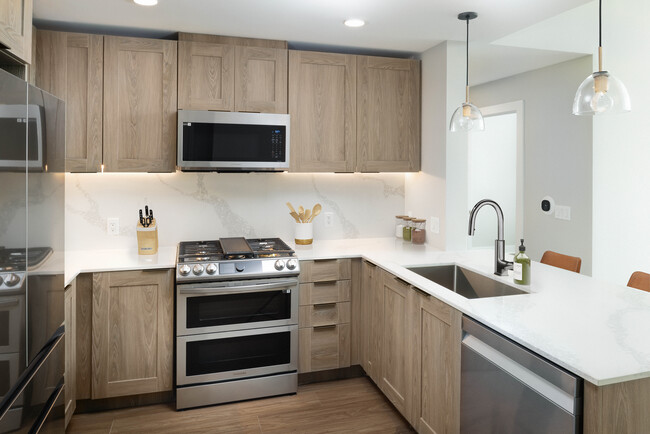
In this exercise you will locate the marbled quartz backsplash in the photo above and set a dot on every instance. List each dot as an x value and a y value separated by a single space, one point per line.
199 206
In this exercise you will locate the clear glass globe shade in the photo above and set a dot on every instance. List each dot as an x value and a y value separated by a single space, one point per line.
467 117
601 93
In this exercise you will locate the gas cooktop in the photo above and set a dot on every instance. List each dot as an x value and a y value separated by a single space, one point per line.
232 258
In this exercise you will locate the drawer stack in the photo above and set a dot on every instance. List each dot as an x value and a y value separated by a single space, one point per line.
324 320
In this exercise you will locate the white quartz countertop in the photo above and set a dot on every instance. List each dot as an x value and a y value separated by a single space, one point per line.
594 329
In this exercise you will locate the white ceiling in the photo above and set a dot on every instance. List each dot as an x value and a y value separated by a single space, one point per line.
393 26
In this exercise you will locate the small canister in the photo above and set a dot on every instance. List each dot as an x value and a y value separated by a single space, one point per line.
406 230
399 225
418 232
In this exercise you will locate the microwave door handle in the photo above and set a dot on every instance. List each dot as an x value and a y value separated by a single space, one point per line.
215 290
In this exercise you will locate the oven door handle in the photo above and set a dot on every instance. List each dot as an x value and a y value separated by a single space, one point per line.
221 290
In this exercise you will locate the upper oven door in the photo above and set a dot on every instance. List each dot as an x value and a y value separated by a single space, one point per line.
232 141
236 305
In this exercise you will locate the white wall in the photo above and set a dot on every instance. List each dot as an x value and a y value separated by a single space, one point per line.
557 155
195 206
621 173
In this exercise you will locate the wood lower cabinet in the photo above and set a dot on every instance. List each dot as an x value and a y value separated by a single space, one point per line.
322 105
140 103
70 375
396 342
388 114
70 66
372 311
132 333
436 366
16 28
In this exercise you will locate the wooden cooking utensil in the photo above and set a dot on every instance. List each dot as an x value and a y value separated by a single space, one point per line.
301 213
295 216
317 209
307 215
291 207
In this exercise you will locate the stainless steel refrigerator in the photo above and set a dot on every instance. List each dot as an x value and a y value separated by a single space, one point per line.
32 193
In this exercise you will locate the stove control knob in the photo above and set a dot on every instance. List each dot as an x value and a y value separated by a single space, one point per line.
292 264
1 280
279 265
197 269
211 268
11 279
240 267
184 270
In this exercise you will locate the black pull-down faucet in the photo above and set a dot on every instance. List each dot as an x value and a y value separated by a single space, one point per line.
501 266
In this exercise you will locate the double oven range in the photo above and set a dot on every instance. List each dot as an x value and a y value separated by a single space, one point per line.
236 320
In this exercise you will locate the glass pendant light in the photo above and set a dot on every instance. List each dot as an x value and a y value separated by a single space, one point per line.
467 117
601 92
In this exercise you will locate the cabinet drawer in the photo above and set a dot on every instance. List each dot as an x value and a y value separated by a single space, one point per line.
324 314
325 347
325 270
325 292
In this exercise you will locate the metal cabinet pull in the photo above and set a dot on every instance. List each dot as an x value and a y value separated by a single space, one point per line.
323 327
402 281
323 305
418 290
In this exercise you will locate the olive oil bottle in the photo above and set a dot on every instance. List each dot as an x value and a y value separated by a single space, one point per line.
521 266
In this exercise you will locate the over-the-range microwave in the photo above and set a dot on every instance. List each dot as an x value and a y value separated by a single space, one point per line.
225 141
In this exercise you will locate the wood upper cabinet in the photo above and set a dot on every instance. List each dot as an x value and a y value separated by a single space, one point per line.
70 66
16 28
260 79
322 105
436 366
388 114
70 320
132 333
396 346
206 76
140 103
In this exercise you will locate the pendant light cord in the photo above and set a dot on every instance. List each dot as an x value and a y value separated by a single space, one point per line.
600 23
467 55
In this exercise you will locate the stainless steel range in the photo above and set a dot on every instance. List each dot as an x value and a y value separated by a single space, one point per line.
236 320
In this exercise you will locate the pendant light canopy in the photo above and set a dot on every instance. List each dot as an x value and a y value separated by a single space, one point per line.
467 117
601 92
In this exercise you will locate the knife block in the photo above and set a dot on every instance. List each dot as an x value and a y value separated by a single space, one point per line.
147 238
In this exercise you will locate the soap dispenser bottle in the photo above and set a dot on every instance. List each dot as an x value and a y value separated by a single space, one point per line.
521 266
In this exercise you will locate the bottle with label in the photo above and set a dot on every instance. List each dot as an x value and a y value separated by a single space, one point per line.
521 266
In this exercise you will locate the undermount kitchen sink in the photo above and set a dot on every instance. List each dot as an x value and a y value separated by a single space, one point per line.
465 282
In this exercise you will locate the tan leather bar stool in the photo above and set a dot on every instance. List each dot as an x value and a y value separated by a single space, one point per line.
639 280
571 263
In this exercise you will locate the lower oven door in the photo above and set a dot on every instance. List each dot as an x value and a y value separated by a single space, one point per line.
233 355
236 305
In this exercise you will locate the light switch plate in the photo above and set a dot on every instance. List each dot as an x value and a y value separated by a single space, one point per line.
563 212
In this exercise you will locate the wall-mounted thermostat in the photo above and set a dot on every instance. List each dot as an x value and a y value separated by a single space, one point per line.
548 205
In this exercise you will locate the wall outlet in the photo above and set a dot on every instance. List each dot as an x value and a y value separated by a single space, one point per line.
562 212
113 226
434 225
329 219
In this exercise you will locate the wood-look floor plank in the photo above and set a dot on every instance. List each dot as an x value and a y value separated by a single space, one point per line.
354 405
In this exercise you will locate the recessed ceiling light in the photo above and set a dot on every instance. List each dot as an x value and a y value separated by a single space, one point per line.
146 2
354 22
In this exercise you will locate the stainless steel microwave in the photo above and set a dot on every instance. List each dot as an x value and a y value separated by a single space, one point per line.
225 141
21 125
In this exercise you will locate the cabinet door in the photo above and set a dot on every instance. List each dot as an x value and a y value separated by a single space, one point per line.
140 105
16 28
206 76
322 105
70 66
132 329
373 312
396 345
260 80
436 380
70 301
388 114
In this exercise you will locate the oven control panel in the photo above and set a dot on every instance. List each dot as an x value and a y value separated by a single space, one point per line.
268 267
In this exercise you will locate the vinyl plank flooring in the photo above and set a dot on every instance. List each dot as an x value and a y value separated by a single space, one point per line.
354 405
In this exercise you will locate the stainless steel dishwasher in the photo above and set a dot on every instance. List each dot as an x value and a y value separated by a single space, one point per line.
506 388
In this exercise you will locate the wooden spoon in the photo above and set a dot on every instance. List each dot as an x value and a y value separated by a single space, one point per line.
301 213
307 215
295 216
317 209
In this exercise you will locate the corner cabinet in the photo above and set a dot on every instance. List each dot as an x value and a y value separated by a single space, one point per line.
322 105
70 66
132 333
140 102
16 28
388 114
